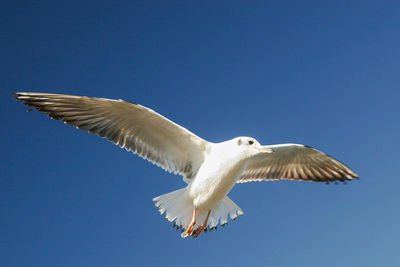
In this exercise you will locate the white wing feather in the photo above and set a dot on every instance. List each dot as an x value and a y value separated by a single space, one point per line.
129 125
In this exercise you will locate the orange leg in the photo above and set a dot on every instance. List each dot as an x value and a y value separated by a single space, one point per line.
189 230
202 226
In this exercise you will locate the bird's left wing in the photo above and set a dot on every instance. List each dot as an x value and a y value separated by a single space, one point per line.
294 161
131 126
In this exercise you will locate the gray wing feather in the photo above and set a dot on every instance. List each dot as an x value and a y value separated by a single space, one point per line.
294 161
129 125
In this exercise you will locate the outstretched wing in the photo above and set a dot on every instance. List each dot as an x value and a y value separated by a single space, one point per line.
293 161
131 126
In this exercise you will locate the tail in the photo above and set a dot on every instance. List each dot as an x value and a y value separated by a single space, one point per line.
178 208
220 213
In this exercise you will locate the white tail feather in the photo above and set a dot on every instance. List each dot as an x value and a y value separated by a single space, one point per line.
179 208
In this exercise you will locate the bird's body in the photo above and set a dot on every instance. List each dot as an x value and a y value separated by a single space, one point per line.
221 169
209 169
217 175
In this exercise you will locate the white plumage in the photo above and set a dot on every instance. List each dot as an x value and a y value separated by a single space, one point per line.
209 169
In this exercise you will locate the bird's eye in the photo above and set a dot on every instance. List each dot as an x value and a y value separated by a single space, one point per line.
250 142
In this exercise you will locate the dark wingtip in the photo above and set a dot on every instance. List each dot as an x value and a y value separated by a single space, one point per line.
15 94
18 95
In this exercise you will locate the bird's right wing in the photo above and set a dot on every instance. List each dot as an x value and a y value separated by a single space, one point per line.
131 126
294 161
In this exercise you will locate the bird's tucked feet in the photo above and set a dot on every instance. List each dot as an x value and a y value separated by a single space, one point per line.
201 227
198 230
190 228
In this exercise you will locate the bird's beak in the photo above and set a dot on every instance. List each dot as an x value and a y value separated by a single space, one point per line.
265 150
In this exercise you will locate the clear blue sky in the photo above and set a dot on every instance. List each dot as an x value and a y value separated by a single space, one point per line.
321 73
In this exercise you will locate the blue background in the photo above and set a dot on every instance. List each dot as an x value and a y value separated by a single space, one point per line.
321 73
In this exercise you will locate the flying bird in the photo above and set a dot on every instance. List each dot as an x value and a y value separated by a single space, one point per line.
209 169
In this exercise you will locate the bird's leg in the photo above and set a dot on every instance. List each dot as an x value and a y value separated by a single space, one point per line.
189 230
202 226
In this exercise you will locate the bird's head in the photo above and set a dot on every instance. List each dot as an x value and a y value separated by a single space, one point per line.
250 146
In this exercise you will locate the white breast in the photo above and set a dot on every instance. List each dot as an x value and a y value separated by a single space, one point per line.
215 178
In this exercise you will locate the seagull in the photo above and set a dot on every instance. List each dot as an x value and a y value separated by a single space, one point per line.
209 169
